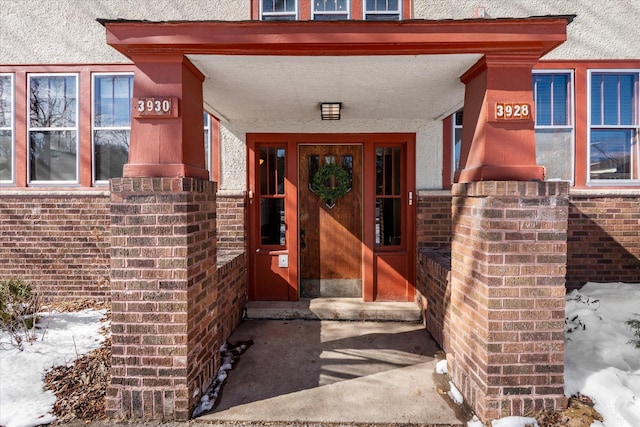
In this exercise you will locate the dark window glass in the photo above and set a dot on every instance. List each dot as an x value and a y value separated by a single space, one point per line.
272 226
6 128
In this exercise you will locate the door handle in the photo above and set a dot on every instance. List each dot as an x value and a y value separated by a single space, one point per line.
303 235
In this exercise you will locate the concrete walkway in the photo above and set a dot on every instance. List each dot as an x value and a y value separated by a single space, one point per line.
326 372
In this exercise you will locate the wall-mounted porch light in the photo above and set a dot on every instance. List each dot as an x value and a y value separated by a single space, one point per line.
330 110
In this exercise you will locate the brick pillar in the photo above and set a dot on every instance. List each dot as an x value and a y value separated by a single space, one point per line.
164 291
507 301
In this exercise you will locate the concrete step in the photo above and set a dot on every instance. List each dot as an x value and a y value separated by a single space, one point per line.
334 309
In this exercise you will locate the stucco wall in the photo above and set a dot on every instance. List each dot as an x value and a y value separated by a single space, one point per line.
67 31
606 29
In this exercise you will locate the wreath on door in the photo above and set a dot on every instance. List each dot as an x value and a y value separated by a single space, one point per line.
330 183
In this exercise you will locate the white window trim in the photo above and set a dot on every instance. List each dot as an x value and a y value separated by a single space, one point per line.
612 182
572 117
100 182
11 128
76 129
280 14
320 13
365 12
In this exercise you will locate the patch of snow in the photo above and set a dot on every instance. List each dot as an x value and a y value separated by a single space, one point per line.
515 422
599 360
441 367
474 422
63 338
455 394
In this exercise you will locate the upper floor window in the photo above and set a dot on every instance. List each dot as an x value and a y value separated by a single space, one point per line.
552 94
282 10
112 96
330 10
53 128
6 128
381 10
614 125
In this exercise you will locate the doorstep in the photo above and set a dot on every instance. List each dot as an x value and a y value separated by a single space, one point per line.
334 309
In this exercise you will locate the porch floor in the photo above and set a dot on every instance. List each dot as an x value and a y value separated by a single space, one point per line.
334 309
319 373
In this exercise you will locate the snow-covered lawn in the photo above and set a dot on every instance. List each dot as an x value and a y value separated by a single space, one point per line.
600 361
63 337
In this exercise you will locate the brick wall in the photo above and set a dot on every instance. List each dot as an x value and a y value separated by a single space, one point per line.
507 295
433 225
231 216
164 296
603 239
58 241
433 286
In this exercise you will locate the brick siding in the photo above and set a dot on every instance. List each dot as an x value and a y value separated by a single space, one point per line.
603 240
231 216
57 241
169 297
433 225
508 260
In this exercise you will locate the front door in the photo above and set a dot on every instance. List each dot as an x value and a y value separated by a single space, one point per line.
330 220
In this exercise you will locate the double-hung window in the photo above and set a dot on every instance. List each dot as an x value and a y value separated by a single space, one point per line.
330 10
382 10
278 10
6 129
53 128
112 95
552 93
456 133
614 125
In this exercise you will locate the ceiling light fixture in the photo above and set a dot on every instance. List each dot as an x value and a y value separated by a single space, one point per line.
330 110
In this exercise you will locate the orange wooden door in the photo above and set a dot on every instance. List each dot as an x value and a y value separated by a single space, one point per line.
330 232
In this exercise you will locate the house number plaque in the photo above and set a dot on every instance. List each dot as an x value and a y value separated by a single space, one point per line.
155 107
513 111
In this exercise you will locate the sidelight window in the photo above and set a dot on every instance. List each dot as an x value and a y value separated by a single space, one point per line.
272 195
389 196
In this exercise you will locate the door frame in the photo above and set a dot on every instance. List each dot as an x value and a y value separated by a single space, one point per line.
291 141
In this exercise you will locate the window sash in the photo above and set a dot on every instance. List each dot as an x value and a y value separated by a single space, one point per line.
373 13
555 139
108 156
7 132
613 151
40 158
266 15
331 14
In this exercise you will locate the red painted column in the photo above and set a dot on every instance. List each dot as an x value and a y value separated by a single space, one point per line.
167 145
498 148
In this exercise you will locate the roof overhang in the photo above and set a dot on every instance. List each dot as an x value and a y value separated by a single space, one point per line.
266 75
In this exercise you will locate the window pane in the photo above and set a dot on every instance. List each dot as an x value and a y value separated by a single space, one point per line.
596 99
611 153
272 163
347 164
111 152
551 93
560 99
52 101
207 141
388 171
6 150
112 101
52 155
388 222
278 5
272 227
554 151
6 102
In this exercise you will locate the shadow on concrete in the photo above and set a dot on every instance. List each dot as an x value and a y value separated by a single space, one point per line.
330 371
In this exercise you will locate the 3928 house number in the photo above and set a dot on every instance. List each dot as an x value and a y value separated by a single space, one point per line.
513 111
155 107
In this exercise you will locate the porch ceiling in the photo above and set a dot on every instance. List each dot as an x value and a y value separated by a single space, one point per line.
247 91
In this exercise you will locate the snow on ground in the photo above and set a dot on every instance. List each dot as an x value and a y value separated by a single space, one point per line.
599 360
62 338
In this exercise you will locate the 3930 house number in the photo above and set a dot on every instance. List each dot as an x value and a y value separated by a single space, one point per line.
155 107
513 111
